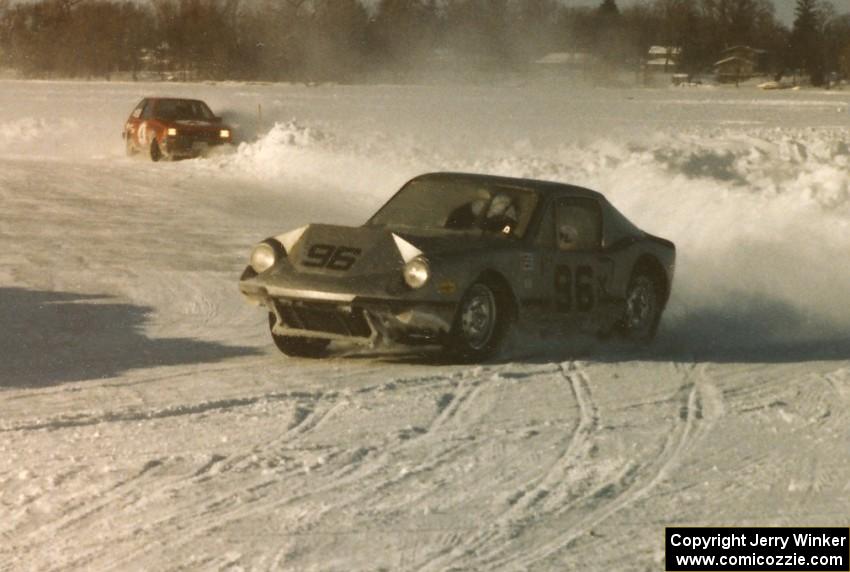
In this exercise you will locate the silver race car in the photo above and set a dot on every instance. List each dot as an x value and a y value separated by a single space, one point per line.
456 259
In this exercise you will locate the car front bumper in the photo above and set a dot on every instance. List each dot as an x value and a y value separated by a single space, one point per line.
192 145
330 315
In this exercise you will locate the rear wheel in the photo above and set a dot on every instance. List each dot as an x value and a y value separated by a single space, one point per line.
481 323
297 346
643 308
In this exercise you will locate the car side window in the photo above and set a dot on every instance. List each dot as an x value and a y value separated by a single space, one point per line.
578 224
147 110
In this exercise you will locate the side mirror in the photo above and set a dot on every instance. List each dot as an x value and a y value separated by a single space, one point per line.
216 119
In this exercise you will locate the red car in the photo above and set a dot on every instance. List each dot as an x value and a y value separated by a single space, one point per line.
171 128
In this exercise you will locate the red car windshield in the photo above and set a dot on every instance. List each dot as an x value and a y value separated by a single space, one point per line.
176 109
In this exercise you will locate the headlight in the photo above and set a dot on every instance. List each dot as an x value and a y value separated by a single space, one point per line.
224 133
172 131
417 272
262 257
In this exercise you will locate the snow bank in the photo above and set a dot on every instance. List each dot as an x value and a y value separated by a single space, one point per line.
288 148
292 155
28 134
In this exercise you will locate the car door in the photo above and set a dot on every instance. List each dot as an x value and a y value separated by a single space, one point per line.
135 128
577 272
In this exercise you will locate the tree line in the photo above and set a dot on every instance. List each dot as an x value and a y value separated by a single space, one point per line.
345 40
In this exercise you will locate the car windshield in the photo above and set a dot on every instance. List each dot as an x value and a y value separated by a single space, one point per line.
459 205
176 109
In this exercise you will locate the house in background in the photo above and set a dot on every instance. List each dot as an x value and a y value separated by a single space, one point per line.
739 63
660 64
663 59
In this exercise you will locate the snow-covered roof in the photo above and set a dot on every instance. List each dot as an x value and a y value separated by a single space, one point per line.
664 50
732 59
743 48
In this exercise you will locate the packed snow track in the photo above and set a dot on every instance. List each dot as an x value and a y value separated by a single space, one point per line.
147 422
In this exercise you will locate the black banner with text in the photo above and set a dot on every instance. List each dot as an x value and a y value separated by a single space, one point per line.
695 549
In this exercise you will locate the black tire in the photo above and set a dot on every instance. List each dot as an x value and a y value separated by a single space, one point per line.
643 308
481 323
155 152
296 346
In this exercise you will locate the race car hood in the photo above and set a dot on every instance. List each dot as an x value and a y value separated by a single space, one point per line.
358 261
334 263
330 249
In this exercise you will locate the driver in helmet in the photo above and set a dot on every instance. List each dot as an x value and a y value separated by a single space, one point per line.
502 215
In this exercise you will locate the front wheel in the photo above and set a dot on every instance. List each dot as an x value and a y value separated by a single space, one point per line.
643 309
481 323
155 152
297 346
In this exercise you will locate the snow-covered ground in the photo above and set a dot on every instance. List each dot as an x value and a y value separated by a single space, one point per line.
146 422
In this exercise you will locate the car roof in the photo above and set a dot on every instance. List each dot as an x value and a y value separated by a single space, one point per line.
173 99
545 187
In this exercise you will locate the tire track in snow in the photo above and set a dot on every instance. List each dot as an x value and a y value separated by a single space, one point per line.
839 385
701 405
307 417
126 493
133 414
229 509
447 414
817 409
760 388
370 493
395 446
577 447
301 426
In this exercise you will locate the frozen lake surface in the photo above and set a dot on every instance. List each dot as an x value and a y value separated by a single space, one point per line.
147 422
